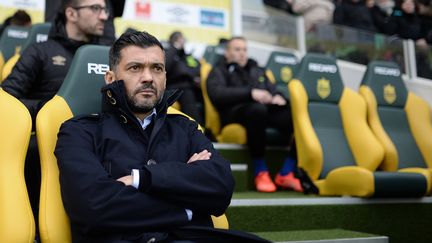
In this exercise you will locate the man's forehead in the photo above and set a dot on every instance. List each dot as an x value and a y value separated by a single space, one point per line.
92 2
152 54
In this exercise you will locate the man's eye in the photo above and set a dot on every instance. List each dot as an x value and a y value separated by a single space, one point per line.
135 67
158 68
96 8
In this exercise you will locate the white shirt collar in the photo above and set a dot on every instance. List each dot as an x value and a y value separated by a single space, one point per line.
147 120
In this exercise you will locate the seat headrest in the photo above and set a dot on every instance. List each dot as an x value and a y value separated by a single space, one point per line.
385 81
213 54
13 37
85 78
38 33
320 76
283 65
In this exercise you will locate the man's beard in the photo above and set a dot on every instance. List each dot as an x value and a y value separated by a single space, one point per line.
144 106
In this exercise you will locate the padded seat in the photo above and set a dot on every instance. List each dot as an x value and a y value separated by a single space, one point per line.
38 33
79 94
11 42
281 68
16 220
335 145
400 120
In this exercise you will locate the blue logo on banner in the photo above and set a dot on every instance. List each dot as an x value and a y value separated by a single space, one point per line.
213 18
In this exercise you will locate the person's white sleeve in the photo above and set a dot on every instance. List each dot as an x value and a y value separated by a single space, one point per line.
135 178
189 214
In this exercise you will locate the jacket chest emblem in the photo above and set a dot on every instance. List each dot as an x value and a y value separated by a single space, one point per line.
59 60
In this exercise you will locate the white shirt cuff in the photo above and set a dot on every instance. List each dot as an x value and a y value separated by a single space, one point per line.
135 178
189 214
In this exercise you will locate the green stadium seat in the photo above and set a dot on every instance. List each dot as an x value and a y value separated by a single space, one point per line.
37 33
335 145
400 120
281 68
11 42
16 221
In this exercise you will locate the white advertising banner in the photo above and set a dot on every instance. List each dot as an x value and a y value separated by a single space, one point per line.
35 8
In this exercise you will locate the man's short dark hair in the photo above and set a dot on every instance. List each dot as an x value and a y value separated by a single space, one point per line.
134 38
232 39
174 37
20 18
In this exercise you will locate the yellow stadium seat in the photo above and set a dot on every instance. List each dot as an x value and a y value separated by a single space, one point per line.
400 119
16 220
335 145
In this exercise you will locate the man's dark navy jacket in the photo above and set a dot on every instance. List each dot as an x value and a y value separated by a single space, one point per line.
94 151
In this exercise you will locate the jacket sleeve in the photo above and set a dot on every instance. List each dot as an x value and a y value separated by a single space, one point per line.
223 95
204 186
98 203
24 77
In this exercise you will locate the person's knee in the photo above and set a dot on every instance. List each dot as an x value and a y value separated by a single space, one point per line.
258 110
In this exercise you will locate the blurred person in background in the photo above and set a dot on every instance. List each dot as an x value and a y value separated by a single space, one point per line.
242 93
313 11
115 8
405 22
355 14
19 18
381 11
183 72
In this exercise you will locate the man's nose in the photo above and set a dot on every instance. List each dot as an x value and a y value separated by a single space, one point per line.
103 15
146 75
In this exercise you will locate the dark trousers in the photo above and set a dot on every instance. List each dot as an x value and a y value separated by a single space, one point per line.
256 117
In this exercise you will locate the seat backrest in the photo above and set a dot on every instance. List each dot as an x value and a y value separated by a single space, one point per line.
16 220
38 33
281 68
11 42
399 118
331 118
79 94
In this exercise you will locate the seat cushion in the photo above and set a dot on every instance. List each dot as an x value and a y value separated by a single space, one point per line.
399 184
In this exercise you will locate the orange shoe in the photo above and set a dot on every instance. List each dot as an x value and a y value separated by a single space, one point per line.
263 182
288 182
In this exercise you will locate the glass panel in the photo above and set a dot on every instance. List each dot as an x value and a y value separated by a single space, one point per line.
268 25
423 61
355 45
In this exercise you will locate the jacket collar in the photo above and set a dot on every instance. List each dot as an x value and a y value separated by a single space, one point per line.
114 101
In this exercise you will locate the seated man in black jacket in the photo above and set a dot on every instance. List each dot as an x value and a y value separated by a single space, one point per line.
39 73
183 72
134 172
243 94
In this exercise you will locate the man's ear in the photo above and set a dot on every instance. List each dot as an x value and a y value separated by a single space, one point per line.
71 14
109 77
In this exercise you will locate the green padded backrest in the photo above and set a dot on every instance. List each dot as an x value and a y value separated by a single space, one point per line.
84 80
213 54
13 37
320 77
385 81
38 33
283 65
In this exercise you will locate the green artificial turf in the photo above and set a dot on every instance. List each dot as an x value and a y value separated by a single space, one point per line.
327 234
278 194
400 222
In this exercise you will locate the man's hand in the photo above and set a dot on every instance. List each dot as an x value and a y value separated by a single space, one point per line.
127 180
261 96
278 100
203 155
